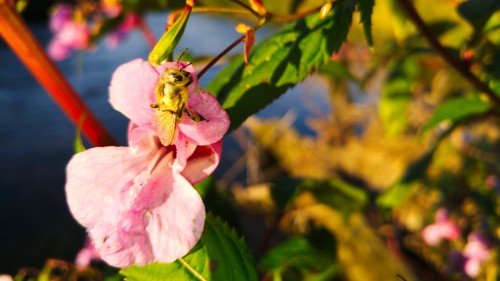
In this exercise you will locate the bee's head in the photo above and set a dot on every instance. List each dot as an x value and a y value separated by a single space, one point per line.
179 77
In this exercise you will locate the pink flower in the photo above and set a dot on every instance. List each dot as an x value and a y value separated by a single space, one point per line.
476 252
131 21
58 50
61 15
139 78
443 228
70 37
74 35
87 254
137 202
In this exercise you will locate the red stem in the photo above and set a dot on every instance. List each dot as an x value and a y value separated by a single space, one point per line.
17 35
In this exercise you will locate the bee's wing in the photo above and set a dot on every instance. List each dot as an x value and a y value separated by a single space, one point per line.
165 122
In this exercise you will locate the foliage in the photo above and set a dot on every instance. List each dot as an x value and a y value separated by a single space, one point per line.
280 62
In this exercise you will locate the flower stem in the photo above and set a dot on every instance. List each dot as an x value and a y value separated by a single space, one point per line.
222 10
452 60
17 35
220 55
248 8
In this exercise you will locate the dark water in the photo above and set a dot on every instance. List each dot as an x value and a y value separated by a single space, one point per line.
36 137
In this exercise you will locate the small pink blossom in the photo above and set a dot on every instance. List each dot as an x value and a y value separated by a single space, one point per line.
71 36
58 50
476 252
137 202
443 228
61 15
74 35
87 254
131 21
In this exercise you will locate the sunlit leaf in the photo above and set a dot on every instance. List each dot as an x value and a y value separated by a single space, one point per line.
219 255
280 62
169 40
396 96
456 110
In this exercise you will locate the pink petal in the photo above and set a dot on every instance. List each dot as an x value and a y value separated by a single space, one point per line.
472 267
202 162
87 254
132 91
184 149
58 50
61 16
74 35
136 208
141 140
176 226
94 179
432 235
214 125
449 230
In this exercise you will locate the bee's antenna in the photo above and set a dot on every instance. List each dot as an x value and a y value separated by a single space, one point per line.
188 64
179 58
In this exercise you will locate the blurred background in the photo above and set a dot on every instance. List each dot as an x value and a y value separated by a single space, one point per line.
343 171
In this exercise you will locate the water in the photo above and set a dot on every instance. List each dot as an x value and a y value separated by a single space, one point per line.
36 138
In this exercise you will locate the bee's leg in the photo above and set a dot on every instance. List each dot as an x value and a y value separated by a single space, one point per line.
154 105
193 116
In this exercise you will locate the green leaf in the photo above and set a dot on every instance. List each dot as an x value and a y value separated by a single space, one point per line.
169 40
365 7
219 255
297 254
337 194
205 186
456 110
396 95
279 63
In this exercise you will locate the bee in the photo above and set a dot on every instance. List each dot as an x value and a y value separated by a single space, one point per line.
171 96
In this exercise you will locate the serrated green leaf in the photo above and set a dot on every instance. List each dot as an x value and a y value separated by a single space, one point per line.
280 62
456 110
365 8
219 255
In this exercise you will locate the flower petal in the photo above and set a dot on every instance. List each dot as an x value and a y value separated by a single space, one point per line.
176 226
214 125
202 162
132 91
184 149
94 181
